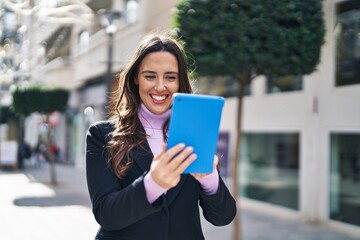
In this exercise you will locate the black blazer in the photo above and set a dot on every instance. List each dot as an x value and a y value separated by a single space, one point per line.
121 208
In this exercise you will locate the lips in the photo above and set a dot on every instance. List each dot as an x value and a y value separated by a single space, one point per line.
159 98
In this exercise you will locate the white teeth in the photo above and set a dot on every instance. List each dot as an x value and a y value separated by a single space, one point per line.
158 98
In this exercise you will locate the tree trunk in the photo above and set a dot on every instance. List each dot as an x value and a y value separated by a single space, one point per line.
242 79
49 154
21 141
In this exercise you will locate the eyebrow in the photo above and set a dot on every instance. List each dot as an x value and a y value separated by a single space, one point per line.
147 71
153 72
172 73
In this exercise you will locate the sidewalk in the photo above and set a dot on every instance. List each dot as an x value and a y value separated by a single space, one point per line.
33 209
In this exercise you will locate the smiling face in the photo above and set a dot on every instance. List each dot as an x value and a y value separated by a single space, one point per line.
158 80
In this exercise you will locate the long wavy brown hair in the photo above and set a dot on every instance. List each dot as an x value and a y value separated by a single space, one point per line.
129 132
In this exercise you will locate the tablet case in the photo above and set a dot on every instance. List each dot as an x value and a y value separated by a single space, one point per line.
195 121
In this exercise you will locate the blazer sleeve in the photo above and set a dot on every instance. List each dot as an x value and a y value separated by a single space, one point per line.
219 208
114 207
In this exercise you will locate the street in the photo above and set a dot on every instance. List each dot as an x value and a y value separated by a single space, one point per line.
32 209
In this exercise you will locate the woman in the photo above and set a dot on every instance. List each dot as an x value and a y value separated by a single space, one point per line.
136 186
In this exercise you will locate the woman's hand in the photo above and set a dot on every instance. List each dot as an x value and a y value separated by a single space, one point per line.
197 176
167 167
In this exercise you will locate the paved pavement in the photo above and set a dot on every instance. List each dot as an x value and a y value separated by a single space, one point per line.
33 209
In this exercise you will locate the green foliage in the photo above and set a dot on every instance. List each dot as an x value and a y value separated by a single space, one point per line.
40 98
6 113
226 37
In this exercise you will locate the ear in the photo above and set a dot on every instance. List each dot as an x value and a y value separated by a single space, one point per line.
136 81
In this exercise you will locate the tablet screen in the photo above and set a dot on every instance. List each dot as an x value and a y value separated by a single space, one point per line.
195 121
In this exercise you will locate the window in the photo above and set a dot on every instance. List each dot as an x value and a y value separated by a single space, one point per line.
8 27
132 7
345 177
269 168
347 34
284 83
84 39
9 20
58 44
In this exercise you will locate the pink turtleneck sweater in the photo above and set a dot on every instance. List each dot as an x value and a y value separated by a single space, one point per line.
152 124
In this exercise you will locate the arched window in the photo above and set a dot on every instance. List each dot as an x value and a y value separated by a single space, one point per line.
84 38
132 7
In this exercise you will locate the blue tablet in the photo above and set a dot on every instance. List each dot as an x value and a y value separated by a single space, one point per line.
195 121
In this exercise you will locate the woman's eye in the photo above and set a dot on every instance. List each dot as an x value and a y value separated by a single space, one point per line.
171 78
150 76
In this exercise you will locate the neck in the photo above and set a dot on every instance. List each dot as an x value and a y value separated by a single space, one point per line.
152 120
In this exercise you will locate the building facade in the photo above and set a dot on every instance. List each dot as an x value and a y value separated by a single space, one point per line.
300 153
301 138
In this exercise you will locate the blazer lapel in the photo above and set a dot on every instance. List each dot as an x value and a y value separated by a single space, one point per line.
143 157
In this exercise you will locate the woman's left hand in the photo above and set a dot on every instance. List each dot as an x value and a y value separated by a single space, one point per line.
197 176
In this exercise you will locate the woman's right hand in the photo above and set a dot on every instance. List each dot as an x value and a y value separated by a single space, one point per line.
167 167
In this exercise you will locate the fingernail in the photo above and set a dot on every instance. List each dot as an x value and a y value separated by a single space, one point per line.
182 145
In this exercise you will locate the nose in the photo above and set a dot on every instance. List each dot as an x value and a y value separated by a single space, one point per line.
160 86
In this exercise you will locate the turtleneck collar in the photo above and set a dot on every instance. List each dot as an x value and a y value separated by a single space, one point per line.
152 120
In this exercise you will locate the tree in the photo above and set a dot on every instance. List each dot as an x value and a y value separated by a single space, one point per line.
43 99
39 98
7 113
247 38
